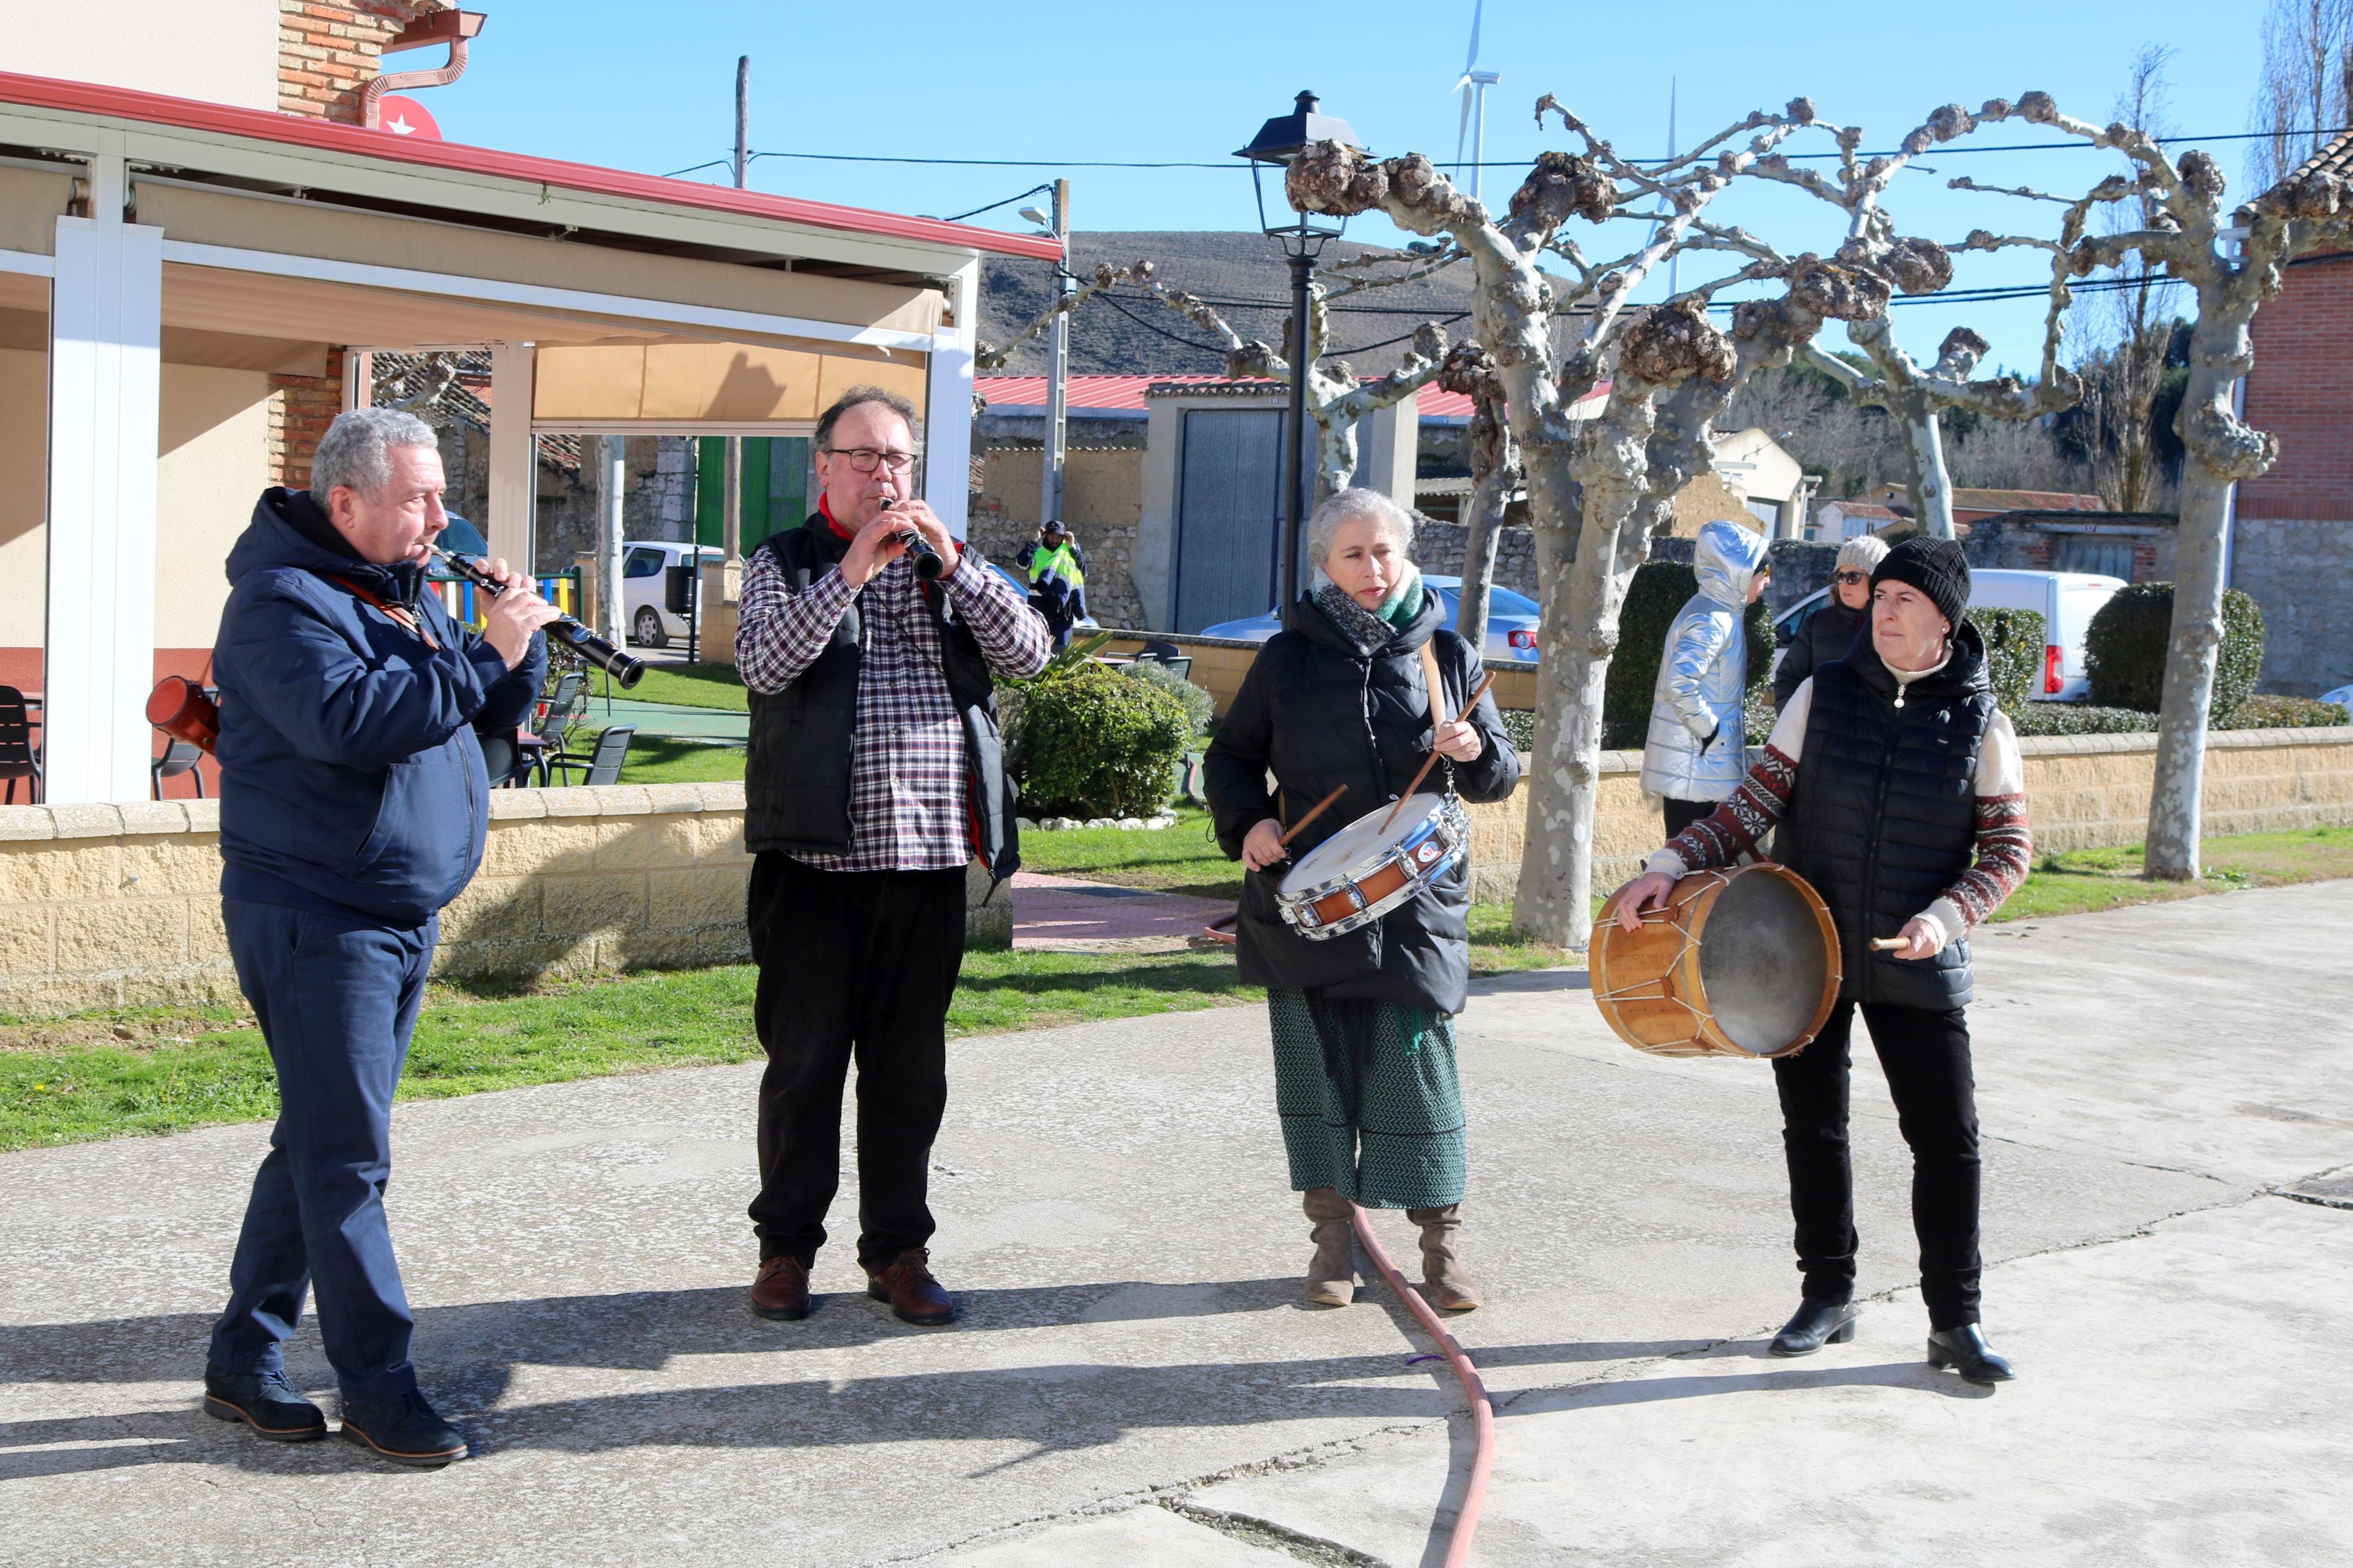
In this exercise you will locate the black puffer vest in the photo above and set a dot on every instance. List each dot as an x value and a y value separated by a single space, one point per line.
1885 817
796 772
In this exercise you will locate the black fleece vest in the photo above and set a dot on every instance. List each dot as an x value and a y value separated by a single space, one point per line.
796 771
1885 817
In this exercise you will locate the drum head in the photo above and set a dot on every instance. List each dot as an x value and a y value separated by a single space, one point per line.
1355 843
1762 963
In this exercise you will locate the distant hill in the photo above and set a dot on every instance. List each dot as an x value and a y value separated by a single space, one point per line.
1243 274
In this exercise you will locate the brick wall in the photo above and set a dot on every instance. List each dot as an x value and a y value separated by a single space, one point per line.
328 51
301 409
2300 391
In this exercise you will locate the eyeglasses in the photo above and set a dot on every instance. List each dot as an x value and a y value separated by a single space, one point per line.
865 459
1848 579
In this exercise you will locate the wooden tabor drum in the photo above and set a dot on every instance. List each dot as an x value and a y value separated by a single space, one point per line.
1743 963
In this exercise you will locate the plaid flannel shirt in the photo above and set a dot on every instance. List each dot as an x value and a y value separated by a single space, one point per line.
907 769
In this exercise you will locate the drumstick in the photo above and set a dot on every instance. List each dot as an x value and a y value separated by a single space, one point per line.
1313 813
1431 761
1889 944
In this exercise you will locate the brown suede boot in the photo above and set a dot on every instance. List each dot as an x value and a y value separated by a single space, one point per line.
1445 1283
1331 1272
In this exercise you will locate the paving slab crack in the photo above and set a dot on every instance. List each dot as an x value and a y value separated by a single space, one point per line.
1265 1532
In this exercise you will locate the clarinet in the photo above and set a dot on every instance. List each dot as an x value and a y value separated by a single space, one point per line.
928 565
586 643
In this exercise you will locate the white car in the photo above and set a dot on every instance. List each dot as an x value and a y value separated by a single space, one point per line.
644 583
2065 600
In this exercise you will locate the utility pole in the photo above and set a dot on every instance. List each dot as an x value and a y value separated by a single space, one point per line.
731 511
1058 367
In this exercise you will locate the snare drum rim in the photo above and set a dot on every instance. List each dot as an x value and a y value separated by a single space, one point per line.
1450 824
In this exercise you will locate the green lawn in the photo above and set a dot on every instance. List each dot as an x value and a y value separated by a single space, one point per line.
2091 880
691 686
666 759
97 1075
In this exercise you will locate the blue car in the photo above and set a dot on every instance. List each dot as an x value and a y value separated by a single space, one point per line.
1511 620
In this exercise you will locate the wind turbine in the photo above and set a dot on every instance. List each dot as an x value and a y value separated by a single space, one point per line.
1473 87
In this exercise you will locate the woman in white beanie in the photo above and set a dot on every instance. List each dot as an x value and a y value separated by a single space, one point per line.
1829 629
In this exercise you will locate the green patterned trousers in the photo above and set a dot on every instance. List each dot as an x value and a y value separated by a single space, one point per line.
1369 1099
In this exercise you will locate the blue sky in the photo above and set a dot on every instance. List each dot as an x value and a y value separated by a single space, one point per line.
652 89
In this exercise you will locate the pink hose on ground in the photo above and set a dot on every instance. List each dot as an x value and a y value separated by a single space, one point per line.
1483 1413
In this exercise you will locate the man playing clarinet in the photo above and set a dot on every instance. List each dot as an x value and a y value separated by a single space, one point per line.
874 778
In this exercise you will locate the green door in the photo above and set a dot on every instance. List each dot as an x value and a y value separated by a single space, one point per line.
775 487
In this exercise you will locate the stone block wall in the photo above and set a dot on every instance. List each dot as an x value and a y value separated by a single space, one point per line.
119 905
2301 573
1437 547
1101 488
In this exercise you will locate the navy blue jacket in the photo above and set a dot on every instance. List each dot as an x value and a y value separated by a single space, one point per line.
351 783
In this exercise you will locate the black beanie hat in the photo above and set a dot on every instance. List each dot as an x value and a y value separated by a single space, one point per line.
1937 567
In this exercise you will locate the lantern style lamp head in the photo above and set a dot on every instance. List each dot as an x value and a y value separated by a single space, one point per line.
1281 140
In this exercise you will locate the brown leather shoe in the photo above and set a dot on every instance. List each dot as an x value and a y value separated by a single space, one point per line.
781 1288
914 1296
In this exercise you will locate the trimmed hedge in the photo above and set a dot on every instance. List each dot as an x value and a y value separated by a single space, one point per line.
2014 653
1093 742
1658 594
1199 706
2254 713
2124 649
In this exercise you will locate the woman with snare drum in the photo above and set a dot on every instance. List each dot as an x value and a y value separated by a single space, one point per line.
1364 1020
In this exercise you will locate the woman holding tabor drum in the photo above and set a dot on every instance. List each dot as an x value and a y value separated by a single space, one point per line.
1899 794
1351 702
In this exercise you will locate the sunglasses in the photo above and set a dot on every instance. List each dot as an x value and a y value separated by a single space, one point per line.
1848 578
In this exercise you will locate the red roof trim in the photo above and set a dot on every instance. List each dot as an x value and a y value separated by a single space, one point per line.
326 135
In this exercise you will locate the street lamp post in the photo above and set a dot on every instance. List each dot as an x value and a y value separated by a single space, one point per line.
1278 142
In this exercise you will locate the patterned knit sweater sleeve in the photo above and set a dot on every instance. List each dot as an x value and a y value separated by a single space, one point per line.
2004 844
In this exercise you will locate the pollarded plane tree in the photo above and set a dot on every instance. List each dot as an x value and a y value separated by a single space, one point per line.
1912 394
2232 262
1597 487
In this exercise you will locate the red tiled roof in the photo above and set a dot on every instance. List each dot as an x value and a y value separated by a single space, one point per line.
1965 500
1868 509
327 136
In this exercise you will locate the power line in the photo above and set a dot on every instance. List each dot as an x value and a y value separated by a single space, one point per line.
1945 151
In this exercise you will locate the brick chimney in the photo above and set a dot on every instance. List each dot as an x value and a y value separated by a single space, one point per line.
329 50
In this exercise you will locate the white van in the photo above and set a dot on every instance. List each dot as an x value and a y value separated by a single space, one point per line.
2065 600
645 566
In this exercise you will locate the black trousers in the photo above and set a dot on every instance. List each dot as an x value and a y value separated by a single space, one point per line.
1681 813
852 964
1925 1056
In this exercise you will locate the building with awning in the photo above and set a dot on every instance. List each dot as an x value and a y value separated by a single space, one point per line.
189 291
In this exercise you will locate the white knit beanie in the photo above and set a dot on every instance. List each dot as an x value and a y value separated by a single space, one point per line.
1864 553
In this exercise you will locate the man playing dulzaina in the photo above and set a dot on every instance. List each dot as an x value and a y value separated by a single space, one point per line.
874 778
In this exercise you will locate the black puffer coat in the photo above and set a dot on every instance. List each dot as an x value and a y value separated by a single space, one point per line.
1883 819
1318 715
1826 633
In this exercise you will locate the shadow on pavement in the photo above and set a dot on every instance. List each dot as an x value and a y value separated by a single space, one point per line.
1527 981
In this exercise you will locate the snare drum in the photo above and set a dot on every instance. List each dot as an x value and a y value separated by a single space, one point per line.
1365 869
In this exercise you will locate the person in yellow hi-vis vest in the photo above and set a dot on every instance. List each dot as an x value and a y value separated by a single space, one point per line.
1056 574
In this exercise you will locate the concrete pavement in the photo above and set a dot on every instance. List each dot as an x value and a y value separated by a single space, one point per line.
1134 1385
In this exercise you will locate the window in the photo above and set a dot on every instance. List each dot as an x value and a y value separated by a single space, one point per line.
642 563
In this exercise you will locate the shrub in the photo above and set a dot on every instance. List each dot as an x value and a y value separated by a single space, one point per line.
1661 589
2081 718
2126 646
1199 706
2014 645
2285 713
1093 742
1520 724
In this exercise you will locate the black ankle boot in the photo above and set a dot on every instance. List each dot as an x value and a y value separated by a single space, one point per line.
264 1401
1966 1352
1816 1322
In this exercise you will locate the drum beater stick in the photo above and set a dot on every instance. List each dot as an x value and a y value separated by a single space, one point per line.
1431 761
1313 813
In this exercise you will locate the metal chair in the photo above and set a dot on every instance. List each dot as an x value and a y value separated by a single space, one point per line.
503 762
612 748
179 757
19 759
552 747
